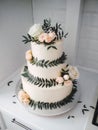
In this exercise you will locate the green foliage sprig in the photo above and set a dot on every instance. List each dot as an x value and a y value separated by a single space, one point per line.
40 82
47 63
27 39
47 27
63 71
55 105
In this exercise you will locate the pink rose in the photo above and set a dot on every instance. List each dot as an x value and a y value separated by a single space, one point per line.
68 83
52 35
42 37
47 37
59 80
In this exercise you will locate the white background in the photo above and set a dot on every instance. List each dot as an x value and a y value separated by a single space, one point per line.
15 19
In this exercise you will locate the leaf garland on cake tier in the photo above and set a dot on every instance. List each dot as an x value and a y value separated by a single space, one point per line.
25 99
45 105
40 82
45 34
47 63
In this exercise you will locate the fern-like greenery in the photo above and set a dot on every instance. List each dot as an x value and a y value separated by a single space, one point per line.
47 27
27 39
40 82
55 105
46 64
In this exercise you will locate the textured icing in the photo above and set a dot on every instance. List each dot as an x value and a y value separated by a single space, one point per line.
51 72
40 51
52 94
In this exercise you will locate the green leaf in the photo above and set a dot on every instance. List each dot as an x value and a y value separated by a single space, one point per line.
27 39
65 35
25 75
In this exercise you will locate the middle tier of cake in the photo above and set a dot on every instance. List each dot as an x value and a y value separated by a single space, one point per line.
44 72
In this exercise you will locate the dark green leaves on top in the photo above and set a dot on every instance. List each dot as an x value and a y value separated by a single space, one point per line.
46 25
59 32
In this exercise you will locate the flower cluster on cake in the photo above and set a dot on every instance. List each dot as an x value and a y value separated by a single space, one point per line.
47 81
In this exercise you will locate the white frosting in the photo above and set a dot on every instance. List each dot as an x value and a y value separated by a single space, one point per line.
50 95
40 51
50 72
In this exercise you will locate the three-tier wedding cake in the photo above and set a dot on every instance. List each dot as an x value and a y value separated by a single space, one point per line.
47 81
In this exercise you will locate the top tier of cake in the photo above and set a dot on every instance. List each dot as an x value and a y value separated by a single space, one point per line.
49 52
46 57
46 63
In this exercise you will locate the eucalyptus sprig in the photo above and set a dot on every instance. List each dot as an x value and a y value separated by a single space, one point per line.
27 39
47 28
46 63
40 82
46 25
45 105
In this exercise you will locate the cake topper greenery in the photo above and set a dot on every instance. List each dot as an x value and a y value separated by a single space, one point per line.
45 34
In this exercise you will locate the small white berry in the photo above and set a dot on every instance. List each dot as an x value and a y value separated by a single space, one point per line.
66 77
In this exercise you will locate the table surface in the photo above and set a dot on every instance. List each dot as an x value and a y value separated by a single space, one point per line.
76 118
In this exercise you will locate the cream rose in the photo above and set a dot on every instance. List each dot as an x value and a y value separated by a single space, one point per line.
73 72
42 37
28 55
35 30
24 97
47 37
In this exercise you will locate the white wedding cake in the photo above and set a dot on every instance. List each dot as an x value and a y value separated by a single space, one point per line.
47 81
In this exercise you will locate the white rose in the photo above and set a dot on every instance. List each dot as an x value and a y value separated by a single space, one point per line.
35 30
73 72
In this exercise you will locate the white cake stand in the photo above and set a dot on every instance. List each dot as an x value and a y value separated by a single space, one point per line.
52 112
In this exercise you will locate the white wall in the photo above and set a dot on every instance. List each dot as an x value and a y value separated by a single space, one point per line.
87 52
15 19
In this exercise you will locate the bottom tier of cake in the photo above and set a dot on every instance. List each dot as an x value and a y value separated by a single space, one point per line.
46 108
49 94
